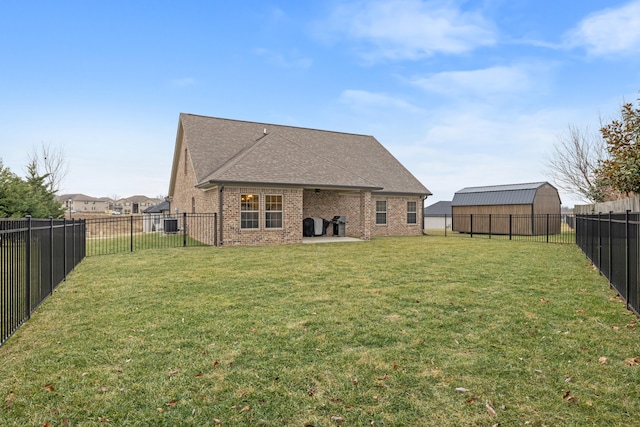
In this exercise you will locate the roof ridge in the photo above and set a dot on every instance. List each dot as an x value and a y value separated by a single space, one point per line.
488 187
274 124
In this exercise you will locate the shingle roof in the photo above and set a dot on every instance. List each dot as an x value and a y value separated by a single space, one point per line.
438 209
75 197
514 194
159 208
224 150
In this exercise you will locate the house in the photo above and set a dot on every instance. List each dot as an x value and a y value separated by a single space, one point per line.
135 204
82 203
438 216
523 209
155 217
264 180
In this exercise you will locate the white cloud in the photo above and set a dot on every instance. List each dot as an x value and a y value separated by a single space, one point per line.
361 99
411 29
609 32
499 80
463 147
280 60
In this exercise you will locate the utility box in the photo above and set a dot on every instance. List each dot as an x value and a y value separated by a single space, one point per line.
170 225
339 225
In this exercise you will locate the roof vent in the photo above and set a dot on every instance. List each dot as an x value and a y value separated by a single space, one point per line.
265 131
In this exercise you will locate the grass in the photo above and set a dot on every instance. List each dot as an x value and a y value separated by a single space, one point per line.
374 333
137 241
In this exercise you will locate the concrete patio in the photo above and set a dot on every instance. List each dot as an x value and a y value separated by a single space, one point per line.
329 239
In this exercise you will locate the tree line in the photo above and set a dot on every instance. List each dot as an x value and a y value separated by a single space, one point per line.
600 166
35 194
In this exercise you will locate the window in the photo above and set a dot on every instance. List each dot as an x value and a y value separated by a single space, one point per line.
381 212
273 211
412 213
249 210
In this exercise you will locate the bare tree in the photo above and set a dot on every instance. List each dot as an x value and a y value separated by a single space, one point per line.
574 163
50 162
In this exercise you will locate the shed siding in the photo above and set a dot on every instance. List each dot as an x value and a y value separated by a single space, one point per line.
499 216
537 218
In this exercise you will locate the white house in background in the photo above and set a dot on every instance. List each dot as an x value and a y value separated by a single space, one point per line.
83 203
438 216
153 218
134 205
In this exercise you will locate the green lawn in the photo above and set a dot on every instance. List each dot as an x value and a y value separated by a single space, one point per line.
358 334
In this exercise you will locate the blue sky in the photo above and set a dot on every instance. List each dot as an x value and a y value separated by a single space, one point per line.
463 93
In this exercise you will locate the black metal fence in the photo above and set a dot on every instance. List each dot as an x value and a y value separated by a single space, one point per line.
548 228
35 256
117 233
611 242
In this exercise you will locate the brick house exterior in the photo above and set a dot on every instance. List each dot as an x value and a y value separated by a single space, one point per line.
263 180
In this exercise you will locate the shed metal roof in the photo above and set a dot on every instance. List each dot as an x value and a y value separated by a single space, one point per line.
513 194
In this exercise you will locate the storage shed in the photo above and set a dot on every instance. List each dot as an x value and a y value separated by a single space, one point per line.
438 216
521 209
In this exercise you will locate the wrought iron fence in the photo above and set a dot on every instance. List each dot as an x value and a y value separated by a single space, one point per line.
548 228
35 257
611 242
116 233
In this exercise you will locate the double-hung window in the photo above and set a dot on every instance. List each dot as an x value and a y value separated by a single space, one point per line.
412 212
249 211
381 212
273 211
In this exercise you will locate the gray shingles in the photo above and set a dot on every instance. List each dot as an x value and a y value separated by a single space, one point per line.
232 150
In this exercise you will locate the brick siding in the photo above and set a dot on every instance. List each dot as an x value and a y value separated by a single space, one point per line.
358 207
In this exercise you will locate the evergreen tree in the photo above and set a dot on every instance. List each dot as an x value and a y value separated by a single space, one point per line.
32 196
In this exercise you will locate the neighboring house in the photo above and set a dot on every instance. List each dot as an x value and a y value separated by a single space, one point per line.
522 209
83 203
264 180
438 216
135 204
154 217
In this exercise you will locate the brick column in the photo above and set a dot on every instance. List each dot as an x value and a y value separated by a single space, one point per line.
365 215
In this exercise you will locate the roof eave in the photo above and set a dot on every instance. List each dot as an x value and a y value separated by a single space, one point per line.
214 183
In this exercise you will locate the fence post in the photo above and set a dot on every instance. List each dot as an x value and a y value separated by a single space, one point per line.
547 228
600 239
445 224
510 225
471 225
627 279
489 225
610 250
73 240
28 272
184 229
131 232
51 260
64 250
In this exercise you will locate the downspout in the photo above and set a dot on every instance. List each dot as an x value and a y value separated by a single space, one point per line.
422 216
220 200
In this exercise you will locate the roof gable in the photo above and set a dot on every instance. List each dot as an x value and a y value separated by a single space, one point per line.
513 194
223 150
